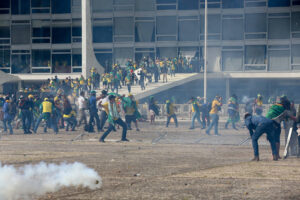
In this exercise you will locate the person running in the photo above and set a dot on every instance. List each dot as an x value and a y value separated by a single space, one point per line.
94 117
153 109
195 112
113 119
131 111
233 113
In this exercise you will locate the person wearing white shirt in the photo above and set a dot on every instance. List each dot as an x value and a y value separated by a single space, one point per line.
82 107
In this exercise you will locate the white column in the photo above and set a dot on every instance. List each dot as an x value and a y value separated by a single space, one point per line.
88 55
205 52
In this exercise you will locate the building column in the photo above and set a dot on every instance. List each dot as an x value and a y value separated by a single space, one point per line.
88 55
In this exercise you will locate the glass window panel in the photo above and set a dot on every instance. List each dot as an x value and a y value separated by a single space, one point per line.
165 1
20 7
20 64
145 31
105 59
189 30
61 35
139 56
166 25
213 59
232 60
4 31
61 6
296 21
255 54
255 23
233 3
41 32
213 23
166 52
279 28
102 5
76 60
122 54
61 63
144 5
233 29
279 60
43 70
40 3
41 58
76 31
17 38
279 3
188 4
102 34
4 57
4 4
296 54
296 2
123 26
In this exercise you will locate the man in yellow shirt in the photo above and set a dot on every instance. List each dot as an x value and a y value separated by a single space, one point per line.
215 108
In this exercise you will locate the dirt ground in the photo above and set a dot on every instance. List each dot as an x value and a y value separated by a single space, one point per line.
160 163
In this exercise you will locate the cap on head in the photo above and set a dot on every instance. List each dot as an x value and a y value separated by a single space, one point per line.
46 99
30 96
93 92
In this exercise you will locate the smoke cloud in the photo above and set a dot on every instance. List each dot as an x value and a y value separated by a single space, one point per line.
34 180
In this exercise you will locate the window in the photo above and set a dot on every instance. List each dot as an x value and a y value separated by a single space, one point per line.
279 3
279 28
144 32
255 22
40 31
20 7
4 6
232 60
140 55
4 31
188 4
279 60
20 64
233 3
61 6
122 54
102 6
61 35
17 38
295 21
144 5
233 29
76 34
213 27
40 6
166 52
41 58
123 29
105 59
61 63
103 33
295 56
166 4
255 57
188 30
4 57
166 26
76 58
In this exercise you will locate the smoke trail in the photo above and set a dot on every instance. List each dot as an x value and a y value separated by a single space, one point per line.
34 180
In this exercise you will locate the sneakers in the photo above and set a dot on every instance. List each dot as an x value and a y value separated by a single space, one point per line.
125 140
256 158
101 140
137 129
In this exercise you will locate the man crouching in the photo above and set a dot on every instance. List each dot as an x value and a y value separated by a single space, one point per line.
258 125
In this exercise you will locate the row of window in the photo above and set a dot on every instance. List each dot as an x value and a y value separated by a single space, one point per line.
25 7
40 61
39 31
191 28
151 5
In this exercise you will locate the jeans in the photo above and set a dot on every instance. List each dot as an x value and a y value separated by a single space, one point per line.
129 119
196 115
103 118
205 119
175 120
71 122
261 129
214 123
8 122
94 114
26 120
82 116
111 127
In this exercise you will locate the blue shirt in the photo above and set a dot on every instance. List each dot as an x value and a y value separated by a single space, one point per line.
93 102
252 122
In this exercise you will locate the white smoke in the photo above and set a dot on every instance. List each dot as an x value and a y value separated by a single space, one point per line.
34 180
